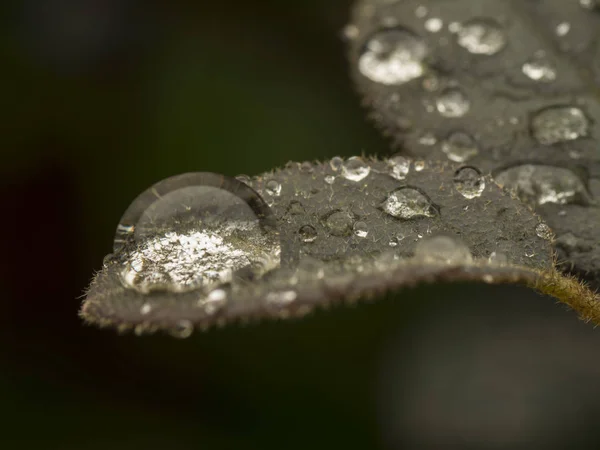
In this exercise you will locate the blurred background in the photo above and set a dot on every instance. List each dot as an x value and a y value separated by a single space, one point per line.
105 97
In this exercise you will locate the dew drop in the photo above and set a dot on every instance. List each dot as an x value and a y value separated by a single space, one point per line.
453 102
563 28
329 179
544 231
339 223
469 182
360 229
182 330
355 169
443 249
419 165
428 139
540 184
145 309
421 11
539 69
559 124
460 147
434 24
336 163
195 231
407 203
273 188
307 233
393 56
398 167
281 299
213 302
306 167
482 36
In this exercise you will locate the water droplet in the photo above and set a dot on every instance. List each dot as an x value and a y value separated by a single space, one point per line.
183 329
273 188
339 223
454 27
419 166
559 124
398 167
360 229
329 179
195 231
355 169
498 258
307 233
469 182
421 11
544 231
539 69
544 184
350 32
434 24
281 299
460 147
393 56
443 249
453 102
407 203
482 36
213 302
336 163
428 139
563 28
145 309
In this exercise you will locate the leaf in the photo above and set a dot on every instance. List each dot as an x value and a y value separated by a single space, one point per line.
510 86
201 249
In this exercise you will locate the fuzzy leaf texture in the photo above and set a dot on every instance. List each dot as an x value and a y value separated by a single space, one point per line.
200 249
511 86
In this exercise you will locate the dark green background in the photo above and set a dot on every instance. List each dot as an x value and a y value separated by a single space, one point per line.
102 99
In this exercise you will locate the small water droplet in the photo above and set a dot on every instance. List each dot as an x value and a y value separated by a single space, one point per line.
540 184
398 167
306 166
454 27
434 24
393 56
453 102
563 28
539 69
339 223
145 309
360 229
273 188
419 165
350 32
355 169
544 231
307 233
336 163
407 203
183 329
329 179
482 36
498 258
559 124
214 301
469 182
281 299
460 147
443 249
421 11
428 139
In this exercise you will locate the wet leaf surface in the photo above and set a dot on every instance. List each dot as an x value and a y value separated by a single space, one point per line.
200 249
510 86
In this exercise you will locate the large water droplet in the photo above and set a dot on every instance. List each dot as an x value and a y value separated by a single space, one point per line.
453 102
460 147
398 167
443 249
469 182
559 124
339 223
539 69
195 231
307 233
407 203
542 184
355 169
393 56
482 36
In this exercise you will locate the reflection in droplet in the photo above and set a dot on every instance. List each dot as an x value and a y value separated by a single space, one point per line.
339 223
307 233
443 249
539 69
355 169
273 188
452 102
407 203
559 124
360 229
194 231
544 231
398 167
460 147
393 56
542 184
469 182
482 36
